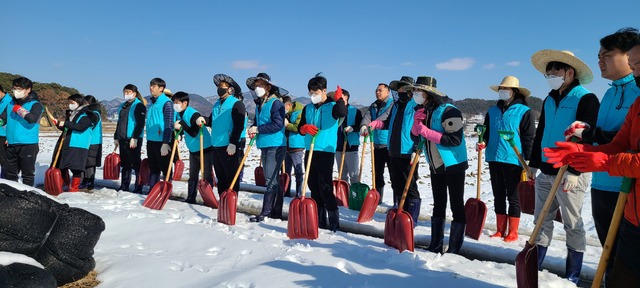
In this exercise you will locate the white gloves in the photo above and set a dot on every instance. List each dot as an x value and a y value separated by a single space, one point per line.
569 182
575 129
252 130
164 150
364 130
231 149
348 129
286 122
413 155
200 121
177 126
133 143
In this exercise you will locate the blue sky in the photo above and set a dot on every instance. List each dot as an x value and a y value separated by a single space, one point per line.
99 46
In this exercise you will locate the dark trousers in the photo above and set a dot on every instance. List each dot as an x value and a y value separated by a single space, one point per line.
294 160
603 203
320 179
130 158
3 155
400 168
22 158
454 183
504 183
240 154
626 268
225 167
382 159
194 166
158 163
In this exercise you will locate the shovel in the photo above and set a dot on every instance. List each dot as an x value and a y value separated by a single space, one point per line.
53 176
303 212
111 169
159 193
625 188
229 198
283 181
372 198
205 189
258 174
144 172
476 210
398 227
178 167
341 187
358 190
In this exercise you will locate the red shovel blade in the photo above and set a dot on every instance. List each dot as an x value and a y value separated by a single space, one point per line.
111 169
398 230
227 207
206 191
341 191
53 181
527 267
476 213
258 174
178 168
283 182
390 228
303 219
526 194
369 207
144 172
158 195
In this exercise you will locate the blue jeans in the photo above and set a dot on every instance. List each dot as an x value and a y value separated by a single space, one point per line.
272 158
294 158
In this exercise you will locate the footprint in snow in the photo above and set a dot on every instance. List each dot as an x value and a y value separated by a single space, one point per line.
300 260
346 268
180 266
215 251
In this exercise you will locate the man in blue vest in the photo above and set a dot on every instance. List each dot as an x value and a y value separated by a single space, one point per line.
128 136
613 60
379 111
320 120
567 102
295 142
5 99
160 118
22 120
348 131
227 122
268 127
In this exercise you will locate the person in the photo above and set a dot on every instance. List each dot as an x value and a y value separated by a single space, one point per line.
5 99
379 110
348 130
160 118
615 159
511 113
295 143
128 136
75 139
22 120
567 102
94 159
447 156
190 122
268 127
320 120
227 121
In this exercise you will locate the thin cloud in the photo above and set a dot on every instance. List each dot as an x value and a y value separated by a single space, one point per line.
456 64
407 64
246 64
489 66
513 63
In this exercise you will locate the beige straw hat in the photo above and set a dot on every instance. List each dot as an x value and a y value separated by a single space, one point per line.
168 92
511 82
541 58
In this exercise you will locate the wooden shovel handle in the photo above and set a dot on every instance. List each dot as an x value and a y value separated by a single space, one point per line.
201 153
344 150
55 159
173 154
373 160
547 204
306 171
479 181
416 159
246 153
364 148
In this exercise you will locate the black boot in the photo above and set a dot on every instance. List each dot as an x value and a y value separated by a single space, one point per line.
153 179
573 265
413 207
267 207
381 192
322 218
437 234
84 184
542 251
192 186
456 237
334 220
138 187
276 213
126 180
92 180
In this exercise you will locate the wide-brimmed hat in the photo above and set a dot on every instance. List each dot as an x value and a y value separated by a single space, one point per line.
511 82
428 84
404 80
226 78
251 83
167 92
541 58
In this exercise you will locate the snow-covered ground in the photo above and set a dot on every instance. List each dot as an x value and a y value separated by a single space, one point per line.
184 245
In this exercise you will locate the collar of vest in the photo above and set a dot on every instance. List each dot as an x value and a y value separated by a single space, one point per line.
623 81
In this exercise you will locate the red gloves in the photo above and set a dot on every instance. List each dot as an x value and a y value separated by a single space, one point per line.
480 146
338 94
19 110
558 155
309 129
589 161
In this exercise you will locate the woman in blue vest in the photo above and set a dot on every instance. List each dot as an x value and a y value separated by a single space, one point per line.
75 148
160 118
5 99
128 135
268 127
511 113
446 153
94 159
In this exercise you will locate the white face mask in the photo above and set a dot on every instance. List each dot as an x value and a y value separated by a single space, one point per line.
19 94
316 98
129 97
555 82
504 94
260 91
418 97
177 107
73 106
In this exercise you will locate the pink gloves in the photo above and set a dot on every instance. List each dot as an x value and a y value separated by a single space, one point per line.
376 124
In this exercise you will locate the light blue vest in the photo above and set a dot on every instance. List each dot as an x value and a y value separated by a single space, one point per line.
322 117
296 141
498 149
263 116
193 143
131 123
451 155
222 122
244 129
610 118
96 132
155 118
80 139
406 143
3 106
19 131
353 137
381 136
558 118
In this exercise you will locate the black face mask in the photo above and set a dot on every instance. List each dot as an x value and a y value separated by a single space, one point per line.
637 78
404 96
222 91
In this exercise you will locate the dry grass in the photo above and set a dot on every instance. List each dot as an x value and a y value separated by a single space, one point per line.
88 281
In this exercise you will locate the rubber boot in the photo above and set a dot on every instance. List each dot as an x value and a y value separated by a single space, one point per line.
91 182
268 202
334 220
437 235
84 184
75 184
192 192
542 251
501 225
153 179
514 222
138 187
126 181
413 207
322 218
573 265
276 213
381 192
456 237
66 181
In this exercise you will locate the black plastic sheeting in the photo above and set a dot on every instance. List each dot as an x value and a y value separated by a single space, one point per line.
20 275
